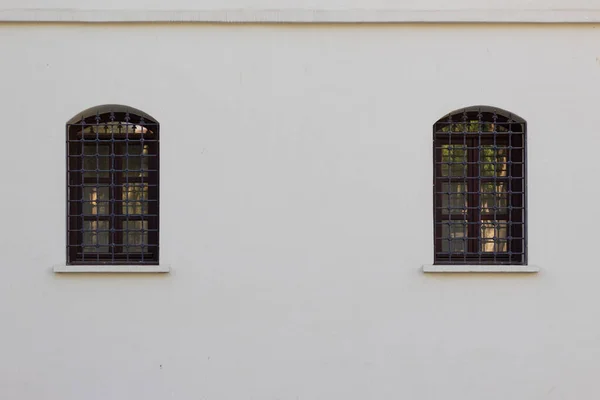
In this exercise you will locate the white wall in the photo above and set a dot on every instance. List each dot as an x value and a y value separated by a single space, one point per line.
296 212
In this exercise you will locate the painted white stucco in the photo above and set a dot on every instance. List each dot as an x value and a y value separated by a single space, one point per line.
296 213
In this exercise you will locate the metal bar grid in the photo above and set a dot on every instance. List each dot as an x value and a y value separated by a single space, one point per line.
112 189
479 188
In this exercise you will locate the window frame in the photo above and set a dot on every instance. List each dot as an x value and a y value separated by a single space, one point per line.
515 215
117 177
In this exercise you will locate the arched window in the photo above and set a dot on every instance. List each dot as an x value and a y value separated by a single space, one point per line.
112 187
480 188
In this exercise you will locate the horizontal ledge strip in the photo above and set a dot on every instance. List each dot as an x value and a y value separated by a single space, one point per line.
305 15
481 268
112 268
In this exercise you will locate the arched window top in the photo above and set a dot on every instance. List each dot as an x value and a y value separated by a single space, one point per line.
485 110
105 111
476 119
112 181
112 121
480 187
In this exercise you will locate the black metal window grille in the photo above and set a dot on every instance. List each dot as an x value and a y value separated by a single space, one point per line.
112 189
480 188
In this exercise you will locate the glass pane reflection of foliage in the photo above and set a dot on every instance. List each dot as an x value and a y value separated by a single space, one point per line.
454 159
473 126
493 161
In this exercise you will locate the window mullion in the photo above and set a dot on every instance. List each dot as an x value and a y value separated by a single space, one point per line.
118 197
437 200
77 206
473 188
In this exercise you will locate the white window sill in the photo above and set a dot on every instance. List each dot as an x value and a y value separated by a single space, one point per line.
481 268
129 269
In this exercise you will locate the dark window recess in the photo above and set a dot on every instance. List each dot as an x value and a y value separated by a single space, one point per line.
112 189
479 188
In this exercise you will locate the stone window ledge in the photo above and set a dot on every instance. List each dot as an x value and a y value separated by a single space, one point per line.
480 268
130 269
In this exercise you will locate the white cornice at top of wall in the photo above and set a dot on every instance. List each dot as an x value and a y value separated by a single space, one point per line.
297 15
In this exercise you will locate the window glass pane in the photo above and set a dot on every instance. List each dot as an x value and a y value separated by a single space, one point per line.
493 236
137 160
473 126
493 161
454 234
109 130
454 198
135 198
95 237
454 158
96 160
136 235
95 200
493 196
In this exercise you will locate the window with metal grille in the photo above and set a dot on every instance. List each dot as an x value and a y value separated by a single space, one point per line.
112 188
480 187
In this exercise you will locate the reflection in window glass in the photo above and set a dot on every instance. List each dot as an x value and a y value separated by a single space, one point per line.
96 161
455 234
95 200
136 236
137 160
135 196
95 237
454 198
493 197
493 161
454 158
493 236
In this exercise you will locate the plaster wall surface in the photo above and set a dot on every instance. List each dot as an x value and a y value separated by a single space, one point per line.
296 212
